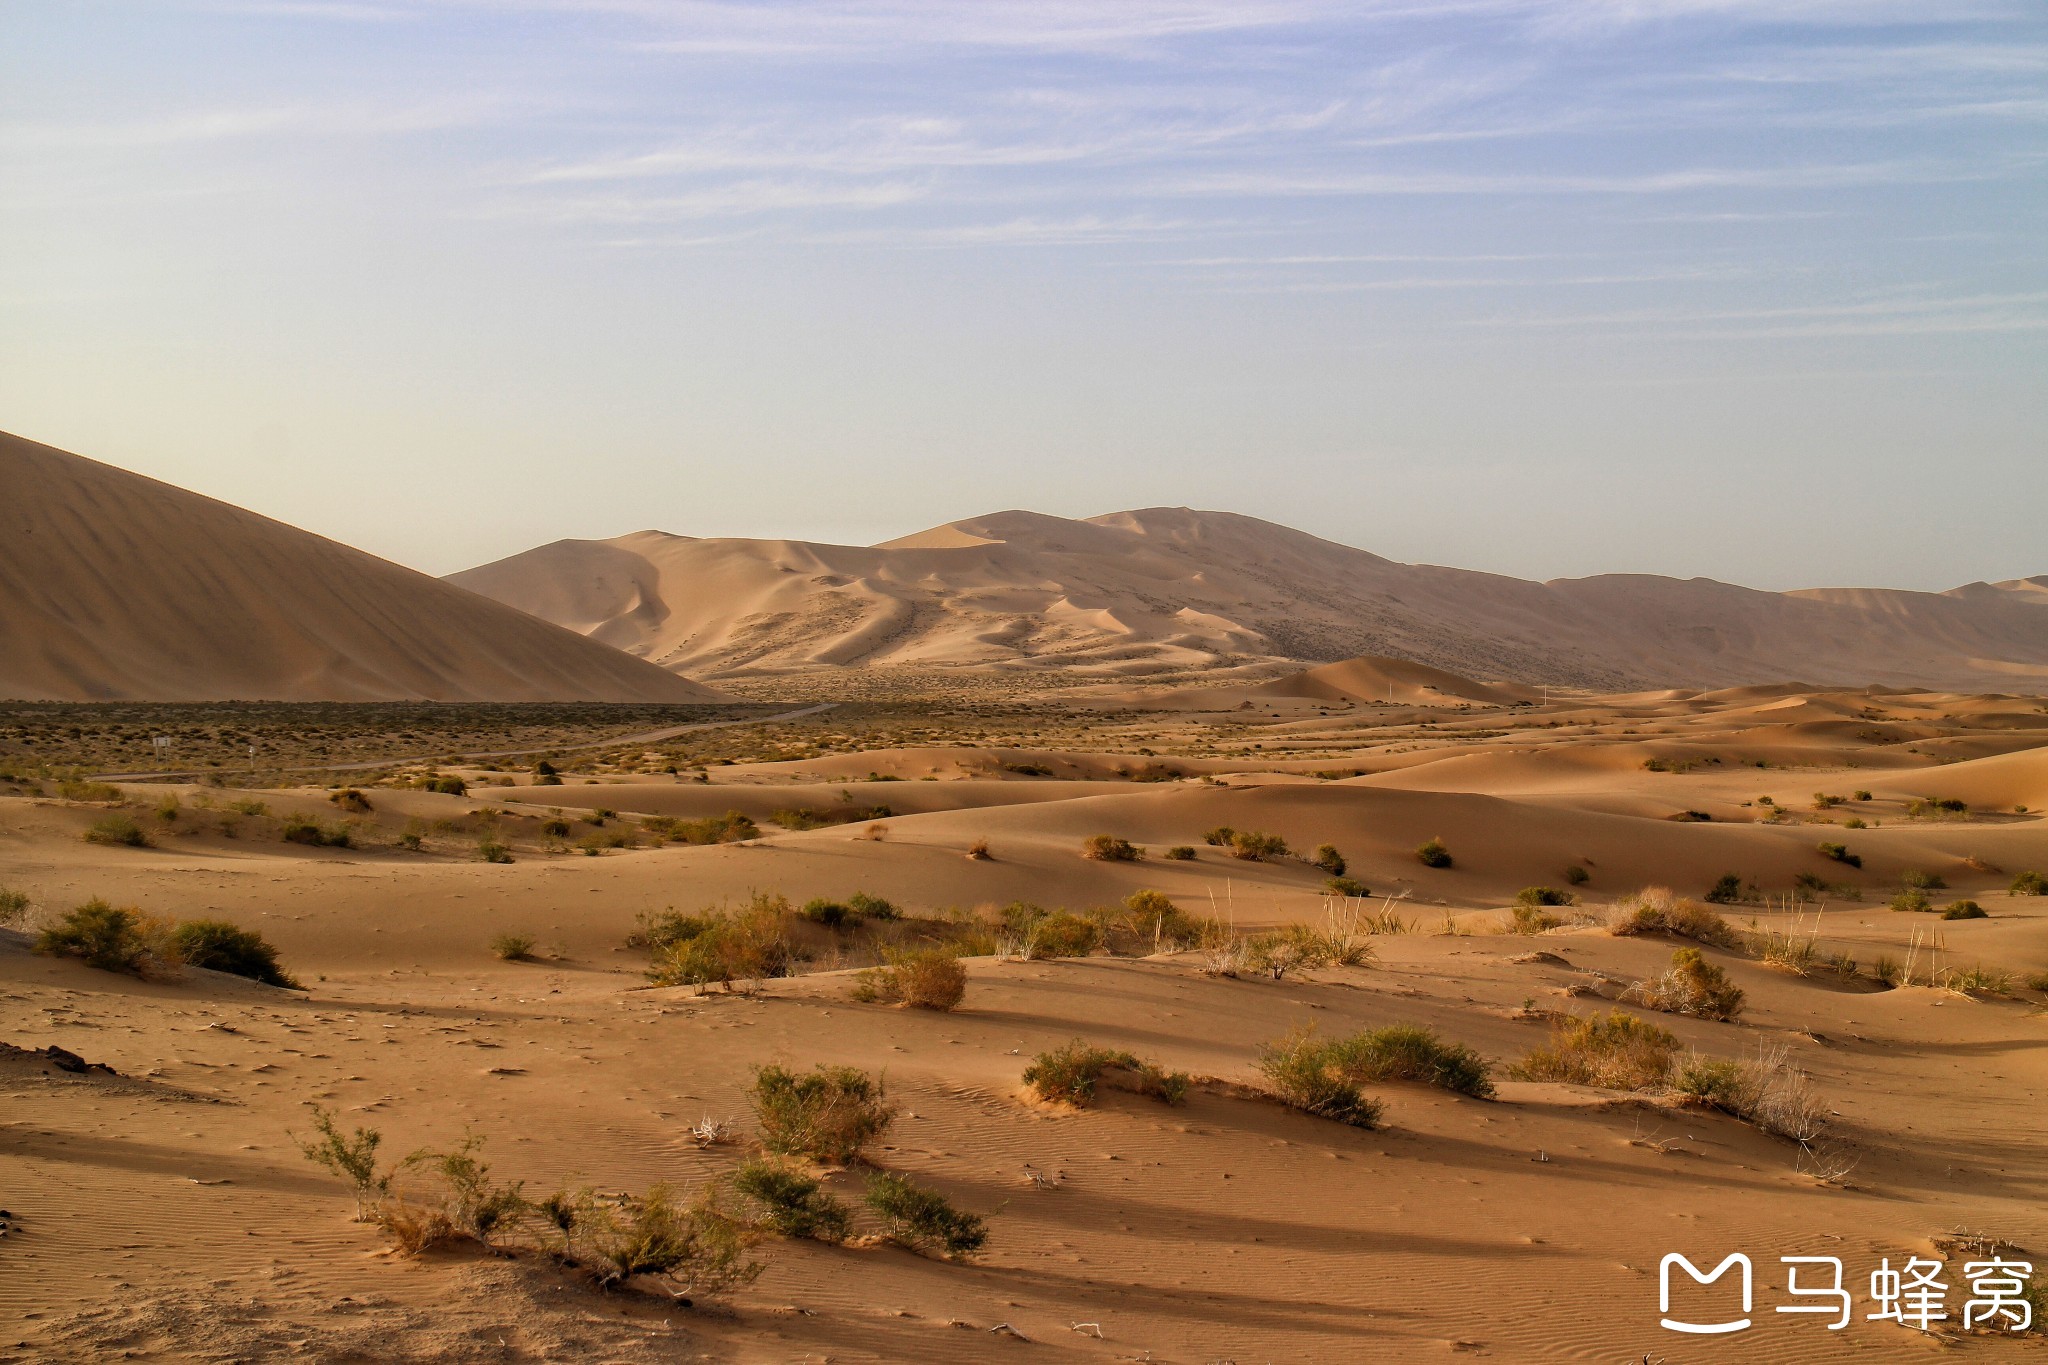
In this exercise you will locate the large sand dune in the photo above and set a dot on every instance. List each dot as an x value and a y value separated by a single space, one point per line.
1169 588
117 587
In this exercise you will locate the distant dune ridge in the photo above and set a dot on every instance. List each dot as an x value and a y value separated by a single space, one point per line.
1140 592
117 587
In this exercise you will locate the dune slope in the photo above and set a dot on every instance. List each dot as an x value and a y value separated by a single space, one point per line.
117 587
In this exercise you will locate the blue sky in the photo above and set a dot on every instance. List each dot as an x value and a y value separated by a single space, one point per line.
1724 287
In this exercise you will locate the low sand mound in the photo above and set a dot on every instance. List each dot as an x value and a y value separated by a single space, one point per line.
1372 677
2001 781
117 587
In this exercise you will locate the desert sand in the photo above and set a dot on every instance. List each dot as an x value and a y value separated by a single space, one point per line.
1171 591
115 586
162 1211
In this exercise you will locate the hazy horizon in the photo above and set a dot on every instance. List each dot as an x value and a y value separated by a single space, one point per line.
1707 288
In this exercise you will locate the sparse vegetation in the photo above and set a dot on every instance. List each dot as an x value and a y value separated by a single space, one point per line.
1655 910
1727 890
1529 919
493 851
1329 860
1914 879
1768 1092
1070 1073
1841 854
1348 887
111 938
1691 985
117 831
2029 884
730 828
1433 854
218 946
1936 808
1615 1051
352 801
925 978
1108 848
1407 1052
1255 847
1577 875
353 1158
513 947
1309 1073
791 1201
1912 899
1544 895
721 947
299 830
923 1219
1965 909
828 1114
1180 853
14 907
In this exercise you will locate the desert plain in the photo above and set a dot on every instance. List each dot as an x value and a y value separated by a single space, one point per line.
473 962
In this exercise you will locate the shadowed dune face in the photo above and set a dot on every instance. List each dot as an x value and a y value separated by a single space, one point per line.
116 587
1167 589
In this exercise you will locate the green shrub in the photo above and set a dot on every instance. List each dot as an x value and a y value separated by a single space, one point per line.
697 1249
1180 853
111 938
659 933
1691 985
730 828
1070 1073
828 1114
447 786
1433 854
872 907
1544 895
1887 970
791 1201
1407 1052
1727 890
1615 1051
13 908
1860 794
1855 822
922 1219
353 1158
352 801
299 830
1654 910
1965 910
1152 923
1108 848
554 829
1936 808
745 945
1768 1092
1348 887
1308 1073
1255 847
1219 837
1298 947
926 978
491 851
513 947
1043 933
1912 899
1577 875
218 946
1529 919
1914 879
829 913
1329 860
2030 884
117 831
809 817
1841 854
81 789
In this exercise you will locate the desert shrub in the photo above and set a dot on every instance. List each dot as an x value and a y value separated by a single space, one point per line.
218 946
1912 899
513 947
1654 910
1822 801
1887 970
1936 808
111 938
83 789
1530 919
492 851
1349 887
554 829
978 851
168 810
1841 854
829 913
1914 879
1407 1052
1768 1092
872 907
1180 853
117 831
473 1204
1069 1074
1974 980
1691 985
1298 947
1028 769
1219 837
1855 822
922 1219
2030 884
698 1249
1309 1074
1152 923
749 944
1041 933
660 932
2038 982
1965 909
827 1114
1727 890
447 786
1615 1051
352 801
1108 848
811 817
13 908
791 1201
1255 847
730 828
1577 875
1433 854
353 1158
928 978
1329 859
299 830
1544 895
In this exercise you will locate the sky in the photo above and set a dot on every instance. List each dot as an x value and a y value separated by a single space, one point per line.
1748 289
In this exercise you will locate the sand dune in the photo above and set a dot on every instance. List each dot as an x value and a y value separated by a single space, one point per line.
114 587
1133 593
